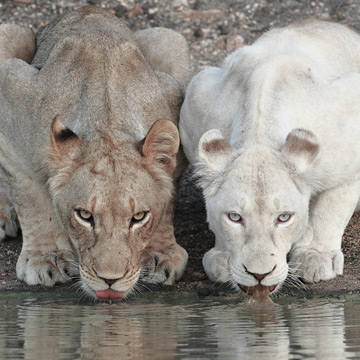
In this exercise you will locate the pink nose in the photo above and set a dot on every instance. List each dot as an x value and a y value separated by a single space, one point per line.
109 281
259 276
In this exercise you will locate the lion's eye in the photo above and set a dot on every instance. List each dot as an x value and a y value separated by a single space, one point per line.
139 217
85 216
283 218
234 217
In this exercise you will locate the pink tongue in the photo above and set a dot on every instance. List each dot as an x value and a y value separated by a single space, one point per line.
109 294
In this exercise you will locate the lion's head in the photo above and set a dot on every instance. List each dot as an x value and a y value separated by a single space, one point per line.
110 201
257 204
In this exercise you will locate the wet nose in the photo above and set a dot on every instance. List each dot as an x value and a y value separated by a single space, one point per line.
109 281
259 276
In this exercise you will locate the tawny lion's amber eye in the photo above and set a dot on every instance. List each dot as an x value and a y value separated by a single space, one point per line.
282 218
85 214
234 217
139 216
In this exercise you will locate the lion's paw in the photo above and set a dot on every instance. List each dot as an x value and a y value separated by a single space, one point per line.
36 268
216 265
163 267
313 266
9 225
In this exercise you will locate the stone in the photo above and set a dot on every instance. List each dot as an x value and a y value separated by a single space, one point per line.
234 42
135 11
202 15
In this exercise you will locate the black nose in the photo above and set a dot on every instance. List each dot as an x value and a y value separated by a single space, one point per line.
110 281
259 276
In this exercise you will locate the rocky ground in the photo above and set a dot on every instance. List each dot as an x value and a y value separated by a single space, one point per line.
213 28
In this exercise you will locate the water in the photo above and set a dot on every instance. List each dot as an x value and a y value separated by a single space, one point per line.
160 327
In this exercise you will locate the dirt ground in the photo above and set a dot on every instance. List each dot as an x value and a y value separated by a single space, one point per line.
213 29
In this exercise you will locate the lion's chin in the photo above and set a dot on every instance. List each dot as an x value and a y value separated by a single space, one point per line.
109 294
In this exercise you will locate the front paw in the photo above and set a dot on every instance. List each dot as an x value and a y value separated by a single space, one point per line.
216 266
37 268
313 266
163 267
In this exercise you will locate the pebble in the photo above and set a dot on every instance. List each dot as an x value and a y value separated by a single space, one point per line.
202 15
204 292
234 42
22 1
120 10
198 33
135 11
177 4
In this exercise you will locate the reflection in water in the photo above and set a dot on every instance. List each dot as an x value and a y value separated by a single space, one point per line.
163 328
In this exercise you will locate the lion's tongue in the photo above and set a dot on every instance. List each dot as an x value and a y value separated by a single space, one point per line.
258 290
109 294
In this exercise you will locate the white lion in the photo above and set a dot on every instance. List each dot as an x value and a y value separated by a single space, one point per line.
274 135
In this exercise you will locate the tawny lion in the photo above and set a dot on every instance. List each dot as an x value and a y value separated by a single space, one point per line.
88 149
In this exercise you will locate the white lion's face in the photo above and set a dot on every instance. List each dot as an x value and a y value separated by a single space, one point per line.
257 206
258 213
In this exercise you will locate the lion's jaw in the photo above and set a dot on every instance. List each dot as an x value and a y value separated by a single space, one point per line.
258 189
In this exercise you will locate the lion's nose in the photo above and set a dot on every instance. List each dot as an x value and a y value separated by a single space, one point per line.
110 281
259 276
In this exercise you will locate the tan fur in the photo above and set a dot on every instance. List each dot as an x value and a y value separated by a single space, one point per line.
90 128
16 42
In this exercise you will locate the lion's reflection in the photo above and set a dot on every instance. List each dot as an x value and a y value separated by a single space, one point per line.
158 330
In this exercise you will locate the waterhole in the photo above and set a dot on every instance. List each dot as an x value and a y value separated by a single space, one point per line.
170 327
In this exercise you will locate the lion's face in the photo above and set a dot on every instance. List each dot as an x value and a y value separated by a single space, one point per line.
256 206
259 213
110 202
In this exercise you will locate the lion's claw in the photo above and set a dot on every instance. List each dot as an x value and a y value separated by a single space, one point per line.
36 268
313 266
164 267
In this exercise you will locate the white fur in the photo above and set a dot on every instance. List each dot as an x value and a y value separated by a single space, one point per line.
289 107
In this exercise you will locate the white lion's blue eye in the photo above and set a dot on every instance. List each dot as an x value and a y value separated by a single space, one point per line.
283 218
234 217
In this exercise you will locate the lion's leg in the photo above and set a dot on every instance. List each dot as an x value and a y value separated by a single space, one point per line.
318 256
164 261
46 256
8 219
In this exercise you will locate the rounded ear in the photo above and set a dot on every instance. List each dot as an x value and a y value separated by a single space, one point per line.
166 51
300 149
161 145
214 154
65 144
16 42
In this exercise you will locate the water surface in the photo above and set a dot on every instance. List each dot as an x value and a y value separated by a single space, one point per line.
162 327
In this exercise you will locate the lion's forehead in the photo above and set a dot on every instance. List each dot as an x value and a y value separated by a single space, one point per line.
105 183
261 188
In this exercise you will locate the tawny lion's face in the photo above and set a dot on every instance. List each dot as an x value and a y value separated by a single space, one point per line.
111 202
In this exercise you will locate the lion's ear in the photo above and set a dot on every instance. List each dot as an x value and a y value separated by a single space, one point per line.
300 149
166 51
214 154
64 142
161 145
